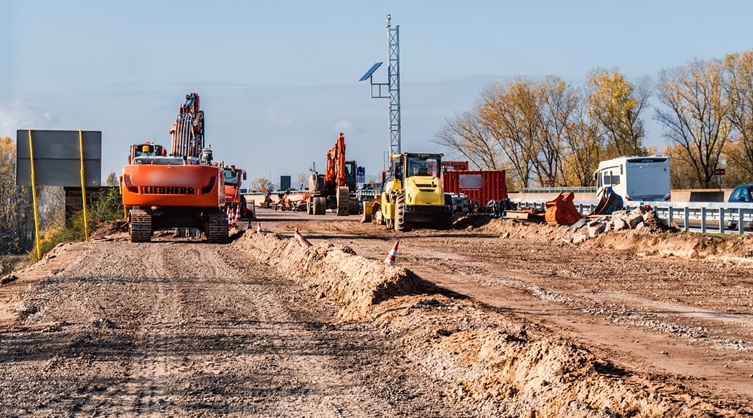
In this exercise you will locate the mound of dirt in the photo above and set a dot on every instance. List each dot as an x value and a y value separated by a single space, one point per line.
656 238
355 282
495 360
106 229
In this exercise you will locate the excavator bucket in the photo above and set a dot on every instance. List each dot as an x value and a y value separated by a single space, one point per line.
609 202
562 211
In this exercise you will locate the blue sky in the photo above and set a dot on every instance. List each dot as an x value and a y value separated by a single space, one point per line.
279 79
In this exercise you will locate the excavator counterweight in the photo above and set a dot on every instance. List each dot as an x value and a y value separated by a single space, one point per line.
183 190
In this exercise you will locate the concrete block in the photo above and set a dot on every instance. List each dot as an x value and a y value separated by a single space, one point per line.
619 214
595 230
577 239
620 224
577 225
633 220
637 211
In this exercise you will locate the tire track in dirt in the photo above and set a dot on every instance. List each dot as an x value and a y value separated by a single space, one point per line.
186 329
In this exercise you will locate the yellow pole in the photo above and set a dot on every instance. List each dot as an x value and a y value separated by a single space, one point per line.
83 182
34 198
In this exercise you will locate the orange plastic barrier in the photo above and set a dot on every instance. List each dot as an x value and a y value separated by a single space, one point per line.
562 211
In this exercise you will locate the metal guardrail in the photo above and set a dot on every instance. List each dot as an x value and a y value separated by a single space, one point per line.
559 190
713 216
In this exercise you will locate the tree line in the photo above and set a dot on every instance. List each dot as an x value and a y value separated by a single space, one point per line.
548 132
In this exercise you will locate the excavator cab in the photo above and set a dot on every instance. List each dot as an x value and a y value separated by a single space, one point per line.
147 149
233 176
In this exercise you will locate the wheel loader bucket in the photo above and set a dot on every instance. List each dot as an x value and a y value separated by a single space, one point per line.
368 206
372 211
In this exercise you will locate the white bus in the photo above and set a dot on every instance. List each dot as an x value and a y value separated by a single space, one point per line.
635 178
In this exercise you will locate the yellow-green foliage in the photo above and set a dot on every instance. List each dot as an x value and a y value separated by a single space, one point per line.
108 208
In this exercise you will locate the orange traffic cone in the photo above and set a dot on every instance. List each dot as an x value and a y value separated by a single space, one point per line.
230 217
303 241
258 229
392 255
237 213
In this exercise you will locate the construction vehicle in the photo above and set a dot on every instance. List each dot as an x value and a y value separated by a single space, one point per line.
336 188
639 179
412 195
234 200
184 189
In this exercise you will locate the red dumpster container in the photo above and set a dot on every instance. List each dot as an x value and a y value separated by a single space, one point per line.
480 186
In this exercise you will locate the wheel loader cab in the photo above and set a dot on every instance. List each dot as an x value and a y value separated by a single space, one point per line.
423 165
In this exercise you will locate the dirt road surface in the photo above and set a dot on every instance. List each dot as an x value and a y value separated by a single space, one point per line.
491 318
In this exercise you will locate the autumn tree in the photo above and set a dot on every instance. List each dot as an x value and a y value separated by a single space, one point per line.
510 114
557 105
467 135
696 117
581 150
16 215
738 153
614 106
302 181
261 183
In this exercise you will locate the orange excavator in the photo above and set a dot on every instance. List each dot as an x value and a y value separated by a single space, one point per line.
333 189
184 189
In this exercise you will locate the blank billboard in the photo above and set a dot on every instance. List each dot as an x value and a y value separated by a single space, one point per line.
57 159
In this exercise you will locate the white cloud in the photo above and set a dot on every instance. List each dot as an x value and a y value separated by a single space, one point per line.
276 120
19 115
344 126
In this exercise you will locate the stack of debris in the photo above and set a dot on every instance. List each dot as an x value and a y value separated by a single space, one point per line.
640 218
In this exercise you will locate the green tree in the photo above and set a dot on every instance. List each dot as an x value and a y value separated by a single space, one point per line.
112 179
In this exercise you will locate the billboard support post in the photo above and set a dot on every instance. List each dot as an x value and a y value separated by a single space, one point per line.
34 198
83 182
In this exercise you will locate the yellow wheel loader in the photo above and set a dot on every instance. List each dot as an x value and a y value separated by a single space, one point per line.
412 195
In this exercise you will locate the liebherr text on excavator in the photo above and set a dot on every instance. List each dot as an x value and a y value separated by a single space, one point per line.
184 189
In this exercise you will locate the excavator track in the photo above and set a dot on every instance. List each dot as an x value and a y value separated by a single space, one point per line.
343 201
141 226
217 228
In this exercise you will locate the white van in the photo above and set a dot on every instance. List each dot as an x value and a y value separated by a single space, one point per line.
636 178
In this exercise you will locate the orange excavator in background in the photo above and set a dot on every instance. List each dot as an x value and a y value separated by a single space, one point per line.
234 176
184 189
336 188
